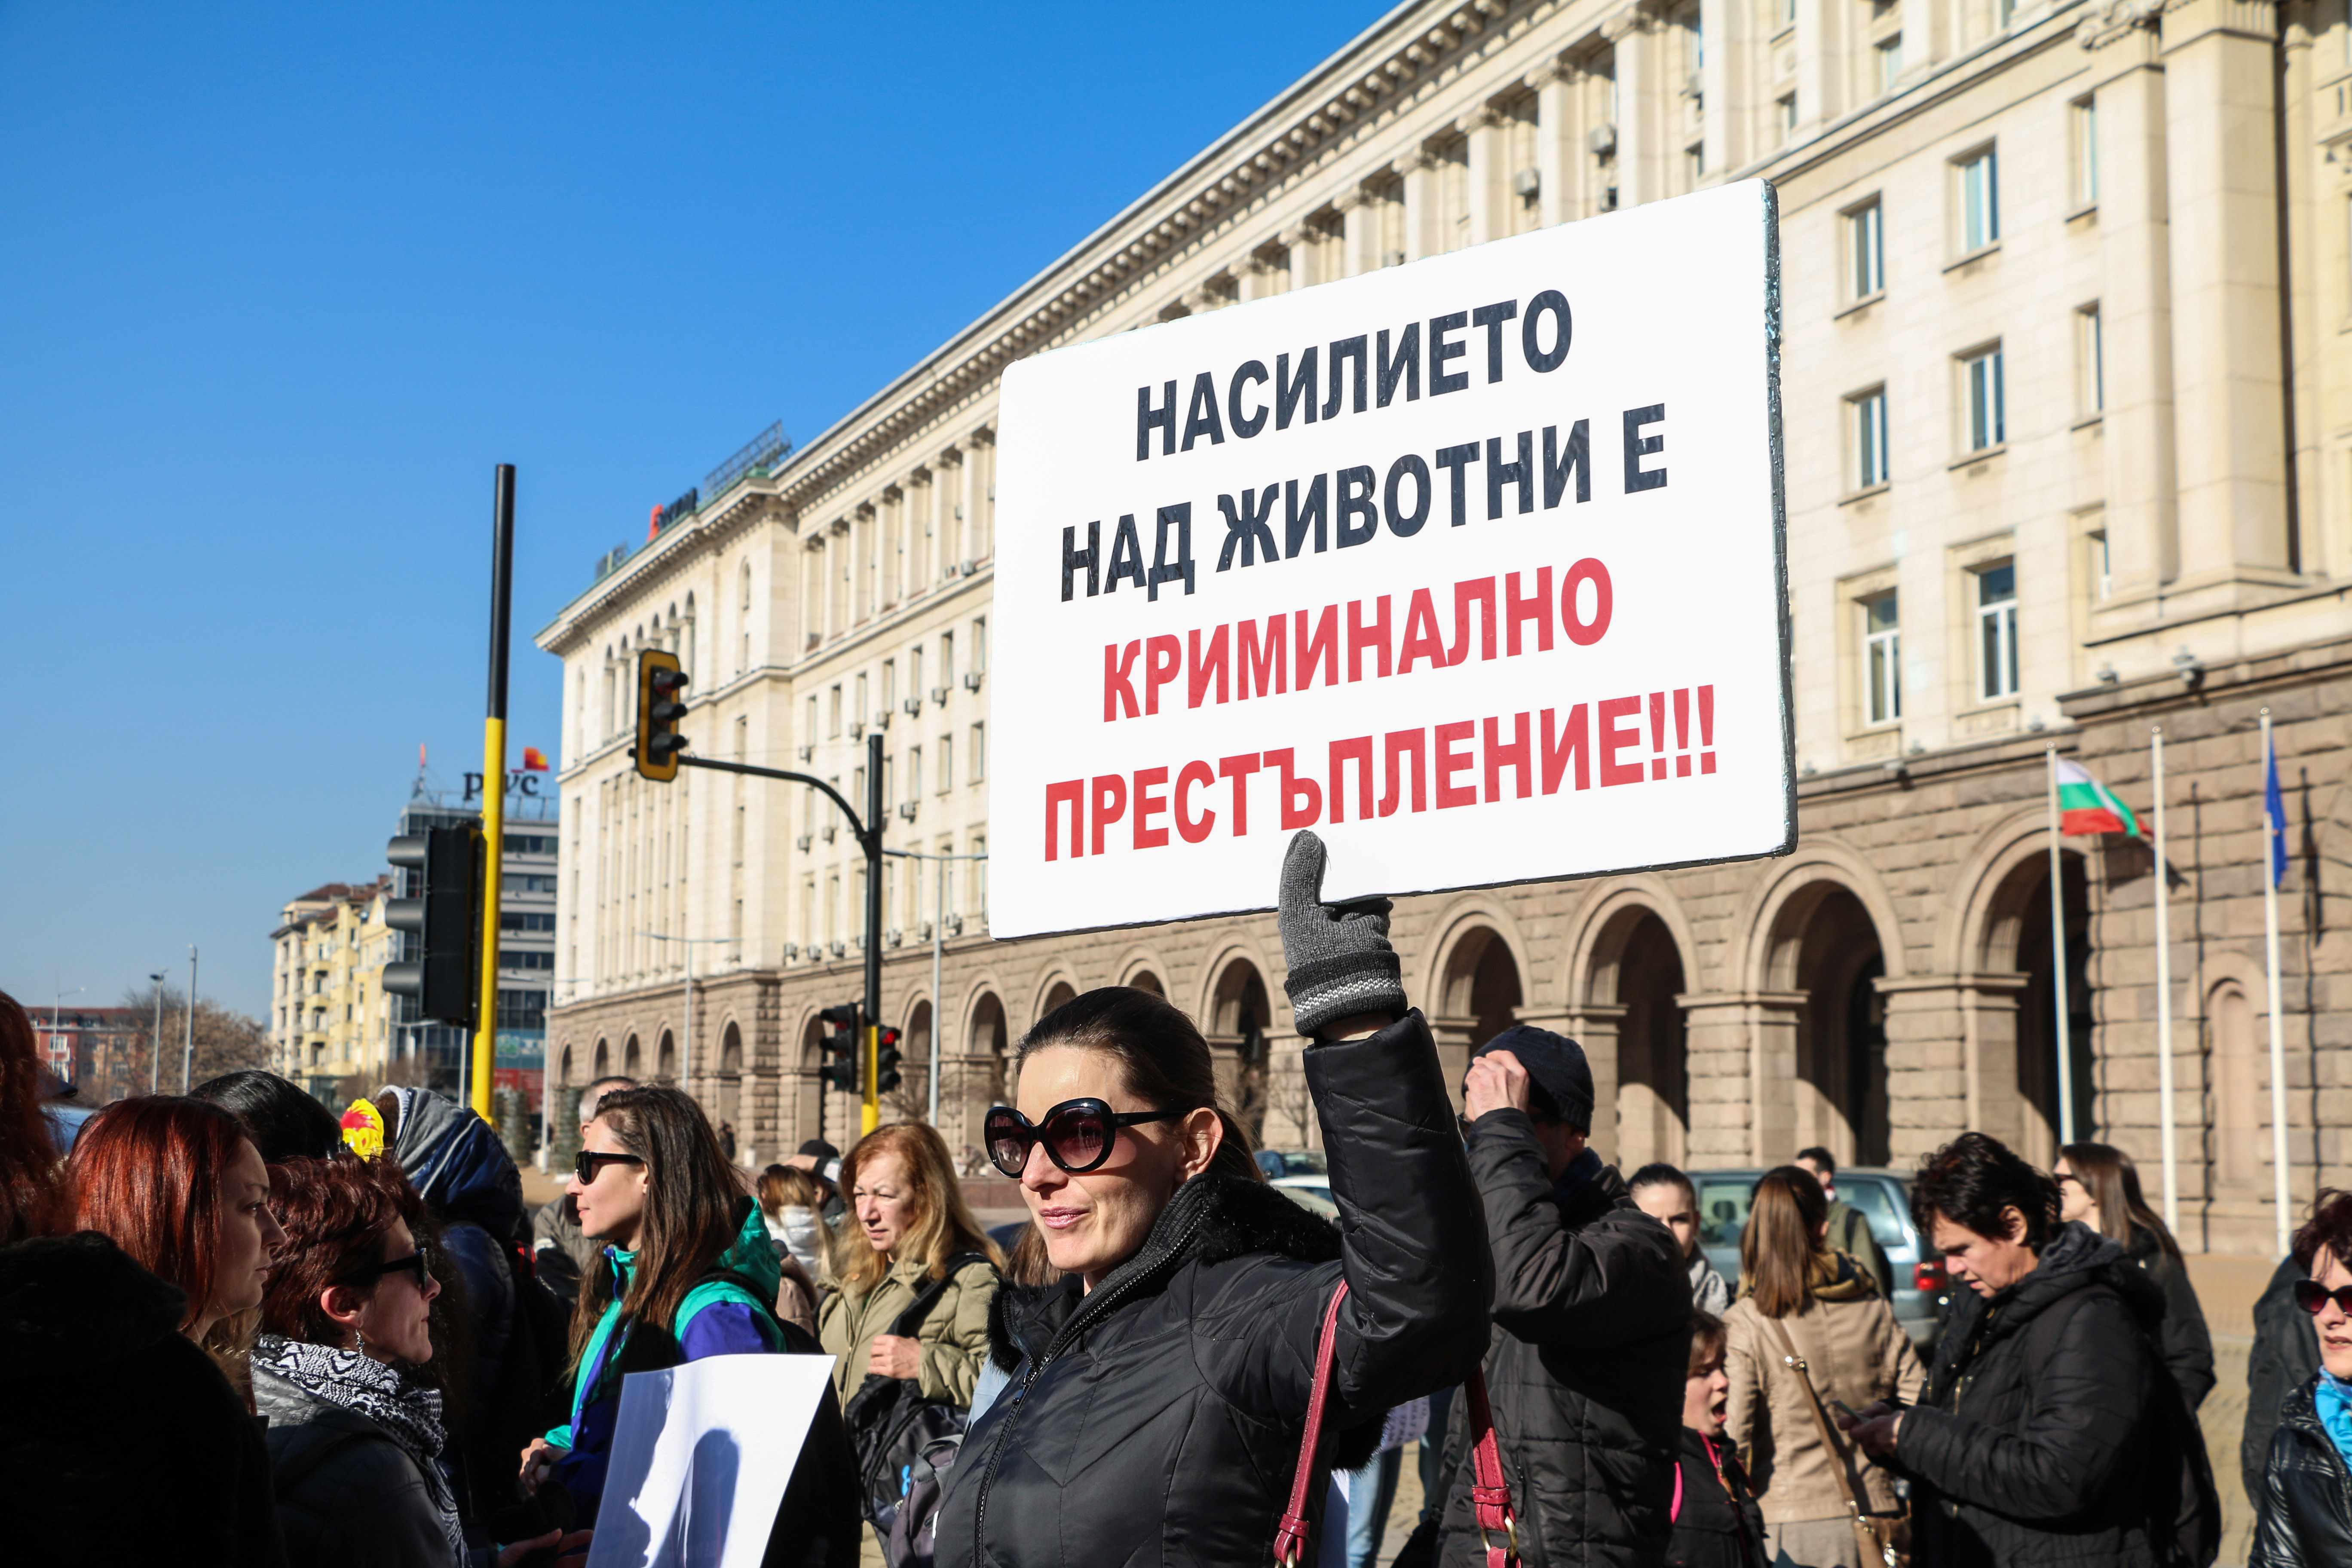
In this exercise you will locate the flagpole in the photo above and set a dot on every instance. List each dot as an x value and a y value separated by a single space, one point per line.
2058 964
2165 1105
2272 830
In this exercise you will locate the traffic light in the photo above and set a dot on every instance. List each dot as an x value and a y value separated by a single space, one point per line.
445 979
840 1048
659 708
886 1060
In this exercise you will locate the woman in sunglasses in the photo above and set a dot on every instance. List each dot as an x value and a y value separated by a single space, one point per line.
1158 1393
2304 1509
687 1272
355 1437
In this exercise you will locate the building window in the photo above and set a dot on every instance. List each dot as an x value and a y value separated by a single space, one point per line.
1984 418
914 772
1997 631
1865 238
1882 659
946 763
833 724
1694 166
2103 571
1978 177
979 752
2090 359
1869 437
2083 139
1889 52
1784 114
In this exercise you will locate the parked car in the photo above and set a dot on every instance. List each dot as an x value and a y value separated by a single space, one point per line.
1311 1193
1279 1162
1921 1290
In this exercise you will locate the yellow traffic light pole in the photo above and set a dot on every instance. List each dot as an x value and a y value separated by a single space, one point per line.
494 795
869 1114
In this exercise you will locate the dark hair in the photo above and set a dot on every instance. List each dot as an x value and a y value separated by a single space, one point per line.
1707 1340
1819 1156
338 1215
1027 1263
32 1194
2330 1226
148 1173
282 1120
818 1150
1972 1179
691 1191
1166 1062
1786 1212
2108 1174
1658 1174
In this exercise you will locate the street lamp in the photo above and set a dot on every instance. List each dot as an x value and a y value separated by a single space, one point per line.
56 998
155 1041
685 1048
939 932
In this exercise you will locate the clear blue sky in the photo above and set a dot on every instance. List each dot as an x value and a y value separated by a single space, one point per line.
279 285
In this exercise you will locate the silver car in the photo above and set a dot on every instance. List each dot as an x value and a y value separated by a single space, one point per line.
1922 1290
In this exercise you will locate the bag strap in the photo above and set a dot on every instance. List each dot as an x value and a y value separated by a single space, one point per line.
1843 1468
1490 1493
910 1321
1290 1540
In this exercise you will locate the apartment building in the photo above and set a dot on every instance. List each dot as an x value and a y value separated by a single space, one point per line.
2068 420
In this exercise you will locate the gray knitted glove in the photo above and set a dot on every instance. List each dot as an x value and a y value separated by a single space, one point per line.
1338 955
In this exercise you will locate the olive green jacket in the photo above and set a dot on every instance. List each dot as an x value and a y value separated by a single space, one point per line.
954 1335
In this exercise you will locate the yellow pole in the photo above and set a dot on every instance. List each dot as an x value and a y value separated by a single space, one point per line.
494 839
869 1114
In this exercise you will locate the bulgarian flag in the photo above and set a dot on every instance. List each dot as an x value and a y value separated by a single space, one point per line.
534 760
2086 805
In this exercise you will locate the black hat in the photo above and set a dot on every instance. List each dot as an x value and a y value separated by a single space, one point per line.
1560 1081
821 1149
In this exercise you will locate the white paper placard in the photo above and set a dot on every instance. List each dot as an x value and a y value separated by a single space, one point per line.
1490 591
701 1455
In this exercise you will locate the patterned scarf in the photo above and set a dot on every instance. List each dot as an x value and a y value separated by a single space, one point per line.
410 1417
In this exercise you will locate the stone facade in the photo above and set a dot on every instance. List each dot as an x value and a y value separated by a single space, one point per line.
2069 438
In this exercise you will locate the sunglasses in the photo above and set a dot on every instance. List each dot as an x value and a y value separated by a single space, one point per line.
1077 1135
2311 1296
416 1263
590 1162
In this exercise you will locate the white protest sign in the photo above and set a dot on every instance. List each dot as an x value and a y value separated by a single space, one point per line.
701 1455
1474 566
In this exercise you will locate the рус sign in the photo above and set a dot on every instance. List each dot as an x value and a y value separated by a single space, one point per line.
1474 566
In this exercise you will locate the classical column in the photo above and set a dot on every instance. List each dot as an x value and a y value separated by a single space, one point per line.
1360 217
1743 1063
1717 26
1456 1039
1305 244
2129 87
1559 142
1634 34
2229 400
1927 1073
1595 1025
1820 90
1488 180
1419 185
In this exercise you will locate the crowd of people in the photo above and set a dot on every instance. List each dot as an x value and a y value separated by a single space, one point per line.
231 1333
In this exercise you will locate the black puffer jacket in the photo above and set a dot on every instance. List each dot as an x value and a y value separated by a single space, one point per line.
2285 1357
2186 1345
1717 1523
1592 1342
1156 1419
348 1496
2039 1439
2305 1507
121 1442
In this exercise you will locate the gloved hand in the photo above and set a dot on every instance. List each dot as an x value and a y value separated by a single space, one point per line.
1339 955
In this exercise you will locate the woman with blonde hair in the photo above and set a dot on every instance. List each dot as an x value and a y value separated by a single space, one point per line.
1801 1302
911 1222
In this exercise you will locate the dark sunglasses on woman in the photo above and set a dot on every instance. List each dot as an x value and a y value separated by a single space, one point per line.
592 1161
1077 1135
416 1263
2311 1296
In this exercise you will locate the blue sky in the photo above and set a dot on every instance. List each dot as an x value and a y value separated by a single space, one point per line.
279 285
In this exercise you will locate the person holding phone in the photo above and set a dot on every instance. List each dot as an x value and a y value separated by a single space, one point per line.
1801 1299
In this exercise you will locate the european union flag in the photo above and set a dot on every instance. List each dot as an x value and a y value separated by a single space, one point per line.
2274 818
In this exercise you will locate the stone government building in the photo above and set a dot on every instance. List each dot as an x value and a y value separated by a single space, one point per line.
2068 402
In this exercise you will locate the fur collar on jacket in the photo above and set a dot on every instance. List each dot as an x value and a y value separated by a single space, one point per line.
1235 1219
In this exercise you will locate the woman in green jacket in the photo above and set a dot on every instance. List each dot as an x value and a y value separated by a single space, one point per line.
911 1223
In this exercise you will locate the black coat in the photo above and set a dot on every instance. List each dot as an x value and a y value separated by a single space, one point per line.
2038 1438
121 1442
1157 1418
1591 1346
1717 1526
2188 1347
2285 1358
348 1496
2304 1506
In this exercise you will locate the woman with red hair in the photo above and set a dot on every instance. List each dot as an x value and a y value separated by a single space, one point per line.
126 1444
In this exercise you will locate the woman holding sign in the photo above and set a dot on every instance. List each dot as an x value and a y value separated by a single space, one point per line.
1159 1392
687 1272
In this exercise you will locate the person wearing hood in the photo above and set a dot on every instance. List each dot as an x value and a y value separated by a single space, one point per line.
2049 1431
1799 1298
1592 1311
687 1272
2304 1503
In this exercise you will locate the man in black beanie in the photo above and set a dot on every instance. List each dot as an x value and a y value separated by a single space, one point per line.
1591 1334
